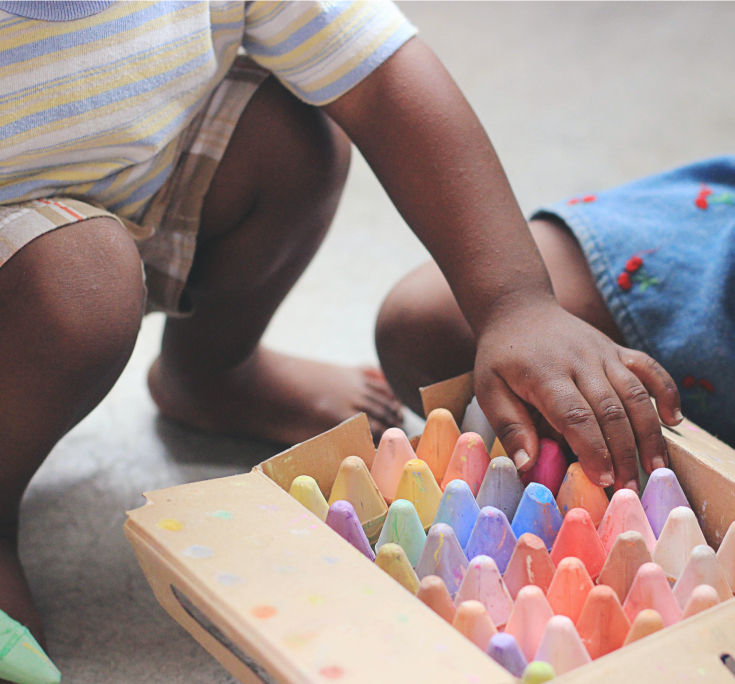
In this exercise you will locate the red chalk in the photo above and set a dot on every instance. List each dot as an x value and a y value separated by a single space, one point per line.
578 537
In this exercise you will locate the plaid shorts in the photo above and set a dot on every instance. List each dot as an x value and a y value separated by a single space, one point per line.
166 235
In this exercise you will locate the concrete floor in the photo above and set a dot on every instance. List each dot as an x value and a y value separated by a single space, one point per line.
576 97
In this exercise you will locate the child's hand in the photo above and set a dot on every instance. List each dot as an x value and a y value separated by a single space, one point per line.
590 389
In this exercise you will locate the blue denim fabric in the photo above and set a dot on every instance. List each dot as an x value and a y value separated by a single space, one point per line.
680 307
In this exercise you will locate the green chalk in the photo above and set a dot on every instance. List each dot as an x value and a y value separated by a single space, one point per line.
537 672
22 660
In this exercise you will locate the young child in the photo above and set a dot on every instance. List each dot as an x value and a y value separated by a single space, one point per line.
650 264
132 133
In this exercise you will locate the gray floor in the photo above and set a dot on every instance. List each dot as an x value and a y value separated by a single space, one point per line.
575 96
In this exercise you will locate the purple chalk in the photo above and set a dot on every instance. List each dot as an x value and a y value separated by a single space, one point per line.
504 650
662 495
492 536
443 556
344 521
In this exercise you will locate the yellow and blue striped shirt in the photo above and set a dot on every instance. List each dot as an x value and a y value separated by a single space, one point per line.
94 95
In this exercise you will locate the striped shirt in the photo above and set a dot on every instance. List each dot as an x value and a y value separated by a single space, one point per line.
94 95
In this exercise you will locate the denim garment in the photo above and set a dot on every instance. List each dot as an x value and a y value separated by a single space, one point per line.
662 252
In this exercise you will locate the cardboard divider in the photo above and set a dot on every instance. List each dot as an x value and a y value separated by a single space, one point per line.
276 596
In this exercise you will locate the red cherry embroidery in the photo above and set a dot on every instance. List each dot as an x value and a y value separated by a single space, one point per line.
589 198
701 202
624 281
574 200
689 381
633 264
707 385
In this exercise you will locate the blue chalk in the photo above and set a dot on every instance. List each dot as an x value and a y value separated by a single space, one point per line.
458 509
504 650
492 536
538 514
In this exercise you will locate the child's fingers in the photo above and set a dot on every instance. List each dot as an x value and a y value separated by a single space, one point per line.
657 381
612 417
642 415
569 412
511 421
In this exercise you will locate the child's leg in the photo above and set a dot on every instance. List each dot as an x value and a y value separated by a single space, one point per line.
422 337
71 303
271 202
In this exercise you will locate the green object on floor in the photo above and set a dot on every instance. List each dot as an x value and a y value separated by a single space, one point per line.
22 660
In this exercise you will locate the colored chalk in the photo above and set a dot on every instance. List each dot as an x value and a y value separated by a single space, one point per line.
475 421
502 487
578 491
681 533
569 588
561 646
650 589
662 495
726 556
472 621
393 560
469 462
538 514
344 521
701 568
355 484
433 592
497 450
623 514
482 582
702 598
504 650
538 672
417 485
530 563
647 622
550 468
458 509
528 619
603 624
578 537
22 660
438 441
628 553
306 491
443 556
394 451
492 536
403 527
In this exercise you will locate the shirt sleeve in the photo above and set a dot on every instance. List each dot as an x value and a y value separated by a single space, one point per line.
319 50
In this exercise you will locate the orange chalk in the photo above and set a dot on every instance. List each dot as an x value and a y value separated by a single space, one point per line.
602 624
469 462
628 553
680 534
417 485
530 563
578 538
497 449
437 442
473 622
650 589
355 484
703 597
569 588
394 451
578 491
647 622
624 513
433 592
528 619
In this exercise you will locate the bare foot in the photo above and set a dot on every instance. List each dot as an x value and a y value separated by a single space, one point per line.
276 397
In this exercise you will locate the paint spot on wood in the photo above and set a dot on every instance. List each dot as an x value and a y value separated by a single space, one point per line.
332 672
171 524
199 552
264 612
221 515
228 579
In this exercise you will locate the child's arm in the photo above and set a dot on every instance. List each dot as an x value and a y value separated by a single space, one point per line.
430 152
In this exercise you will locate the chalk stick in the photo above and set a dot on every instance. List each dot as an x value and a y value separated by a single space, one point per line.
662 494
418 485
578 491
628 553
623 514
469 462
561 646
444 557
527 621
475 421
483 582
492 536
651 589
569 588
680 534
22 660
529 563
578 537
394 451
438 441
502 487
538 514
344 521
458 509
403 527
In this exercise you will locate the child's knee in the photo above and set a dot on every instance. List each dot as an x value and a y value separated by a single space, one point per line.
74 298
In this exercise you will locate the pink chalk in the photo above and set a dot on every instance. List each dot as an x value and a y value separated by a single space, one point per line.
550 468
